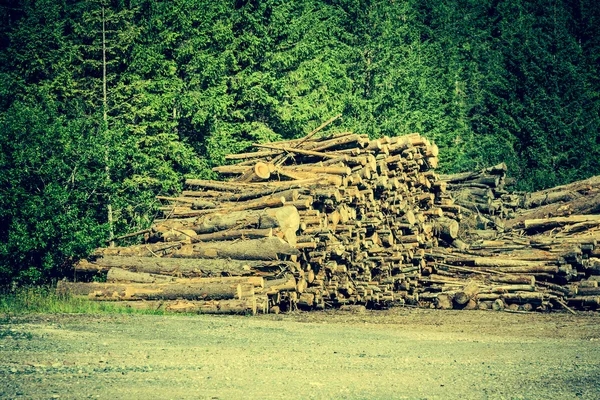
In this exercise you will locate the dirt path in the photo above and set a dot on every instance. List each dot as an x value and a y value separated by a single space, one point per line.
402 353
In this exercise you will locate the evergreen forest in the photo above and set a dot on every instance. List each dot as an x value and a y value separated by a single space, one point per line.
105 104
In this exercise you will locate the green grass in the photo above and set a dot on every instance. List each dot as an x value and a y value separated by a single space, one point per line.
44 300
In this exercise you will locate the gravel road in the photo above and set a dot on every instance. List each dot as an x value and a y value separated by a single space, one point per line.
395 354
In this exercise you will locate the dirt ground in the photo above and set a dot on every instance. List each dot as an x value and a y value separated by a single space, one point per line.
396 354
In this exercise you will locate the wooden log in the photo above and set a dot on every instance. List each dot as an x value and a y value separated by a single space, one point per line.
528 269
288 193
255 154
444 301
118 275
588 291
285 284
582 186
145 291
143 250
447 228
315 169
285 218
579 206
122 275
234 234
584 301
204 193
255 281
231 169
549 223
537 199
467 293
272 248
513 288
298 151
334 143
493 262
257 204
524 297
510 278
220 186
181 266
498 305
246 306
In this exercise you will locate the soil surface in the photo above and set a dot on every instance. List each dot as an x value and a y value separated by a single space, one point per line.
396 354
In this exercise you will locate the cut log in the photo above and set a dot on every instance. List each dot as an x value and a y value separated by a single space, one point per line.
285 218
142 250
234 234
506 278
257 204
181 266
272 248
220 186
144 291
122 275
255 154
493 262
298 151
280 285
467 293
447 228
444 301
578 206
549 223
247 306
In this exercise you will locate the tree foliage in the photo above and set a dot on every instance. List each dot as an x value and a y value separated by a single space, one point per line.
189 81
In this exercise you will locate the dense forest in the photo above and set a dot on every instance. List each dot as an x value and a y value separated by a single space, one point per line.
106 104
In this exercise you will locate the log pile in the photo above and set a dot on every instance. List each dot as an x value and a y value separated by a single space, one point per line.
482 199
550 244
339 219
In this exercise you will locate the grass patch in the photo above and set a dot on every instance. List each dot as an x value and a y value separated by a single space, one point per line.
44 300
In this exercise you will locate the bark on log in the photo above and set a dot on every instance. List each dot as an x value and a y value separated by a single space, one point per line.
549 223
234 234
467 293
579 206
122 275
142 250
144 291
182 266
272 248
118 275
285 218
257 204
247 306
448 228
525 279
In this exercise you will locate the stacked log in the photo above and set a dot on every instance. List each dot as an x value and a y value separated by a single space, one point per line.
340 220
480 191
544 245
577 198
367 209
482 200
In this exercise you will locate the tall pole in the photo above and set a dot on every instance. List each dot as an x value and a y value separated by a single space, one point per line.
111 233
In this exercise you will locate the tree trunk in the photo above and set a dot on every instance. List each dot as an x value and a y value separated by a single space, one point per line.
182 266
272 248
549 223
285 218
234 234
146 291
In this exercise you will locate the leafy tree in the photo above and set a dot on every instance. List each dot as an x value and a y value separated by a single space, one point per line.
189 81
